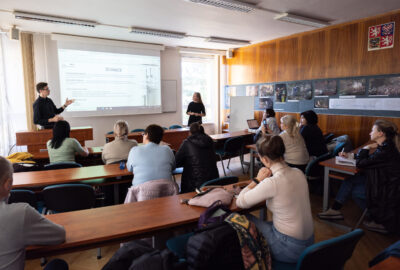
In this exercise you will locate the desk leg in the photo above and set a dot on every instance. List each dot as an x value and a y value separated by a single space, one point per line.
251 163
116 194
326 189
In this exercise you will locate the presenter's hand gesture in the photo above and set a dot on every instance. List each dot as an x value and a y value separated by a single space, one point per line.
68 102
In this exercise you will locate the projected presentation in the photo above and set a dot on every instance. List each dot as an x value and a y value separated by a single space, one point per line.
109 83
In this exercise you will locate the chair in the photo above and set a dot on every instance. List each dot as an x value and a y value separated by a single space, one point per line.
330 254
109 133
178 245
175 127
62 165
23 195
337 149
232 147
328 137
178 170
313 170
164 128
221 181
137 130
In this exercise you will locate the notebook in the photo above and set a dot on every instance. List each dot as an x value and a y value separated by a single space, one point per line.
345 161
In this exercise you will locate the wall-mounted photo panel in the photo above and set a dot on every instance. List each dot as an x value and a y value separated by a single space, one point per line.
252 90
299 91
352 87
384 86
325 87
265 103
230 91
280 92
266 90
321 103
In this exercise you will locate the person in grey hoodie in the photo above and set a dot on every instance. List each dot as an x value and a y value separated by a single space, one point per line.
21 225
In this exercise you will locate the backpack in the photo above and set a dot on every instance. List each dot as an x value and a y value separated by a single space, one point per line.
215 213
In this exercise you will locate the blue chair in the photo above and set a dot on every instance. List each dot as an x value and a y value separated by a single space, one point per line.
175 127
23 195
165 128
330 254
313 170
337 149
232 148
109 133
328 137
178 245
221 181
61 165
137 130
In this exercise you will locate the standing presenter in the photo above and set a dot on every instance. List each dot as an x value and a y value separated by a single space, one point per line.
45 113
196 109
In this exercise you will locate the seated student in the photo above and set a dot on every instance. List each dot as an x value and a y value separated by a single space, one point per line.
376 186
285 190
21 226
151 161
119 148
269 125
296 154
61 147
312 134
197 157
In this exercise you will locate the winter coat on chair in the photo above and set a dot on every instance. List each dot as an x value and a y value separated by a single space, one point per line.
197 157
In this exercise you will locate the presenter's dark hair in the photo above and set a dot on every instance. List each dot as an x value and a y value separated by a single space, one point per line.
310 116
196 128
270 112
199 97
60 131
154 133
273 147
40 86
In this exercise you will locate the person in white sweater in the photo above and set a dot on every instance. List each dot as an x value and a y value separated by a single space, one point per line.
296 154
22 226
285 191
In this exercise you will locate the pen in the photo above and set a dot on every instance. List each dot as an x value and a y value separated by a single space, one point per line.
342 150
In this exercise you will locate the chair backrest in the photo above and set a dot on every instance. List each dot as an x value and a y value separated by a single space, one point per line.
110 132
164 128
314 163
137 130
175 127
330 254
328 137
61 165
221 181
68 197
233 145
338 148
23 195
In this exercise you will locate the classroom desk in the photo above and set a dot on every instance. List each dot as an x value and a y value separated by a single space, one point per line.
45 155
225 136
87 229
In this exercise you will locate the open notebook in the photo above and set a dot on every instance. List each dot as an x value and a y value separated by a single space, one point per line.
345 161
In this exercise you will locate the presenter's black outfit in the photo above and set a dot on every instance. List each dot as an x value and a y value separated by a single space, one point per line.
196 108
43 110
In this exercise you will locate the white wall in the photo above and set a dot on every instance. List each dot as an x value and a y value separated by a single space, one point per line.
46 70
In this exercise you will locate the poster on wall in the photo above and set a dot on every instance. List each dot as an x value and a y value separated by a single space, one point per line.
321 103
266 90
230 91
252 90
381 36
325 87
265 103
299 91
280 92
384 86
352 87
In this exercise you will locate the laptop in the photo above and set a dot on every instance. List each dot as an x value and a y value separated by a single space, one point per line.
252 123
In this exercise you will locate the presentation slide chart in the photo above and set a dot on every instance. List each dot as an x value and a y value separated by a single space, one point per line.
104 81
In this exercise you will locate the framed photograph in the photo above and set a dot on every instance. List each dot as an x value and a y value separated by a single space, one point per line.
325 87
280 92
352 87
252 90
384 86
299 91
265 103
266 90
321 103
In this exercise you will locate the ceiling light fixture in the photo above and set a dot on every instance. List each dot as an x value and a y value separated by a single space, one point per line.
228 41
52 19
227 4
287 17
156 32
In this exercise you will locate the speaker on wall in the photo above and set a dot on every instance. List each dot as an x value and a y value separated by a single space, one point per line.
14 33
229 54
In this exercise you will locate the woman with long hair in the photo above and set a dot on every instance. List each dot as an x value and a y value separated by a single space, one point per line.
285 191
296 154
61 147
196 109
312 134
376 187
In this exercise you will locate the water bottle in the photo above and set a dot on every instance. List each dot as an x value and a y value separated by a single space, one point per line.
122 165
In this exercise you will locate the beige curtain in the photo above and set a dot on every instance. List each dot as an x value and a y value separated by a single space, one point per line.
28 65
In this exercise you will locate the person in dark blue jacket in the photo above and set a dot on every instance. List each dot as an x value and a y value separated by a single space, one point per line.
312 134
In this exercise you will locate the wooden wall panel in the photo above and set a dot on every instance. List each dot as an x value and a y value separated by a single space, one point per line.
288 59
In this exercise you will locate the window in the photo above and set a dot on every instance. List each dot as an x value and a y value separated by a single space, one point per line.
199 75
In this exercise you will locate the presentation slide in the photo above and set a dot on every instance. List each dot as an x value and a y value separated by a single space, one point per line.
104 83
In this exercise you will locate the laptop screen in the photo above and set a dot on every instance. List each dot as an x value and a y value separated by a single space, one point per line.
252 123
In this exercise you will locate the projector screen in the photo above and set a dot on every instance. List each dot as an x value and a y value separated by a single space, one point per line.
109 81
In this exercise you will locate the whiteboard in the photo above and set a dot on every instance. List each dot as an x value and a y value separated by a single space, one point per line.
242 109
376 104
168 95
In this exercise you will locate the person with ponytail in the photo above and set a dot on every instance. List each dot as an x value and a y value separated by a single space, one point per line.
376 187
196 109
296 154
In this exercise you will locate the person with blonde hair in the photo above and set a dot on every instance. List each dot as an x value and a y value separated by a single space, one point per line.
296 154
376 187
118 149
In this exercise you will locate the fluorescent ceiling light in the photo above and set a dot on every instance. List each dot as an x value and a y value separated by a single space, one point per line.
228 41
227 4
159 33
52 19
301 20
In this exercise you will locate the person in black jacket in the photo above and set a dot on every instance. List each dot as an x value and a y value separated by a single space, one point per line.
196 109
45 113
312 134
197 157
378 182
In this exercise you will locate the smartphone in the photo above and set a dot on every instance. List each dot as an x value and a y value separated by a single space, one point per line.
264 122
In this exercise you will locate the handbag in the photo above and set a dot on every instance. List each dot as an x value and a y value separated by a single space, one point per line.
208 197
